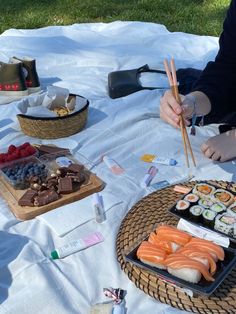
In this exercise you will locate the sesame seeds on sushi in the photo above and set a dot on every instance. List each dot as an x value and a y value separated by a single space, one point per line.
232 210
223 196
203 190
225 224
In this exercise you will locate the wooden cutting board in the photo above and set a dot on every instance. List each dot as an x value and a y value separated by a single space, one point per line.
91 185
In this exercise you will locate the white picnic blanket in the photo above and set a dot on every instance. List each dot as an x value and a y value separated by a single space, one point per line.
79 57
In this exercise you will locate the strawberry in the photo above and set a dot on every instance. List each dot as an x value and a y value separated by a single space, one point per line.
23 146
24 153
17 153
11 149
10 157
2 157
31 150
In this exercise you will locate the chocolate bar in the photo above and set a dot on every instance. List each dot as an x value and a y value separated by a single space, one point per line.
27 199
48 149
65 185
45 197
76 168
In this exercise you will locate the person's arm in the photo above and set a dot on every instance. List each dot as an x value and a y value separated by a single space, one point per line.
218 80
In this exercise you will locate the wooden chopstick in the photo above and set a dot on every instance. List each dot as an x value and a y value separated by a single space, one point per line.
174 87
173 70
176 95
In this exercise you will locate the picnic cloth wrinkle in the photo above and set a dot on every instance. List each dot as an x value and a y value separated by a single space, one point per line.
79 57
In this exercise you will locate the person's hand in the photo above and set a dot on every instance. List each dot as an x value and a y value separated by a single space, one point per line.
170 109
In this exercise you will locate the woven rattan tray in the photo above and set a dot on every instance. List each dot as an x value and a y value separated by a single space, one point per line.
139 222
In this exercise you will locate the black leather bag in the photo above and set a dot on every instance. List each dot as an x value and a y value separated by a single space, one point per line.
123 83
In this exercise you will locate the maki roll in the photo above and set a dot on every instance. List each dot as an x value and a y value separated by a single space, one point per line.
209 217
206 203
223 197
196 212
225 224
182 206
192 198
203 190
219 208
232 210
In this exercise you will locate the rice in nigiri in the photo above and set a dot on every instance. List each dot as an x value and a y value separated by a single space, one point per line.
186 268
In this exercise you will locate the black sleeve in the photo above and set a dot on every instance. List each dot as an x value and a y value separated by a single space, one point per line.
218 79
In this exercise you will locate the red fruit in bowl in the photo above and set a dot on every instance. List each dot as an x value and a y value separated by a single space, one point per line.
2 157
23 146
23 153
31 150
11 149
10 157
17 153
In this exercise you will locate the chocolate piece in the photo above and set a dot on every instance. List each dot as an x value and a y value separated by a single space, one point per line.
65 185
79 178
45 197
62 172
52 183
27 199
76 168
47 149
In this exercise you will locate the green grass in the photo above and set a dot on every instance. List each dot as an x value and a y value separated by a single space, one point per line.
193 16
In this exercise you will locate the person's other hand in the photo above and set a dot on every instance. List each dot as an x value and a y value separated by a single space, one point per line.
170 109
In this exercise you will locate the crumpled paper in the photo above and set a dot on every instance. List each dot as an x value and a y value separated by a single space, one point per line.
42 105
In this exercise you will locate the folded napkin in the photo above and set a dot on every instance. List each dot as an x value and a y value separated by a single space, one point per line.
68 217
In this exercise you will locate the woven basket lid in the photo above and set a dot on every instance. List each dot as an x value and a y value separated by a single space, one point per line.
138 223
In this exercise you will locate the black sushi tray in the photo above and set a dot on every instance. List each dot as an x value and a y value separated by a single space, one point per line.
172 210
203 287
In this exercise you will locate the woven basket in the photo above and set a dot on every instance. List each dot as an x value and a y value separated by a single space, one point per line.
143 218
55 127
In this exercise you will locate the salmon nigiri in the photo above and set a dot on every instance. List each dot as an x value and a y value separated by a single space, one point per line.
165 245
200 256
150 254
207 246
186 268
169 233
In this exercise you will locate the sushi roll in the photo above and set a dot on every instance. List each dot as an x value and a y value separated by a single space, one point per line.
225 224
196 212
203 190
223 197
232 210
206 203
219 208
182 207
192 198
209 217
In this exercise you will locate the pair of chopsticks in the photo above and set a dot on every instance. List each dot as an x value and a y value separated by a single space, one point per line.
175 91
